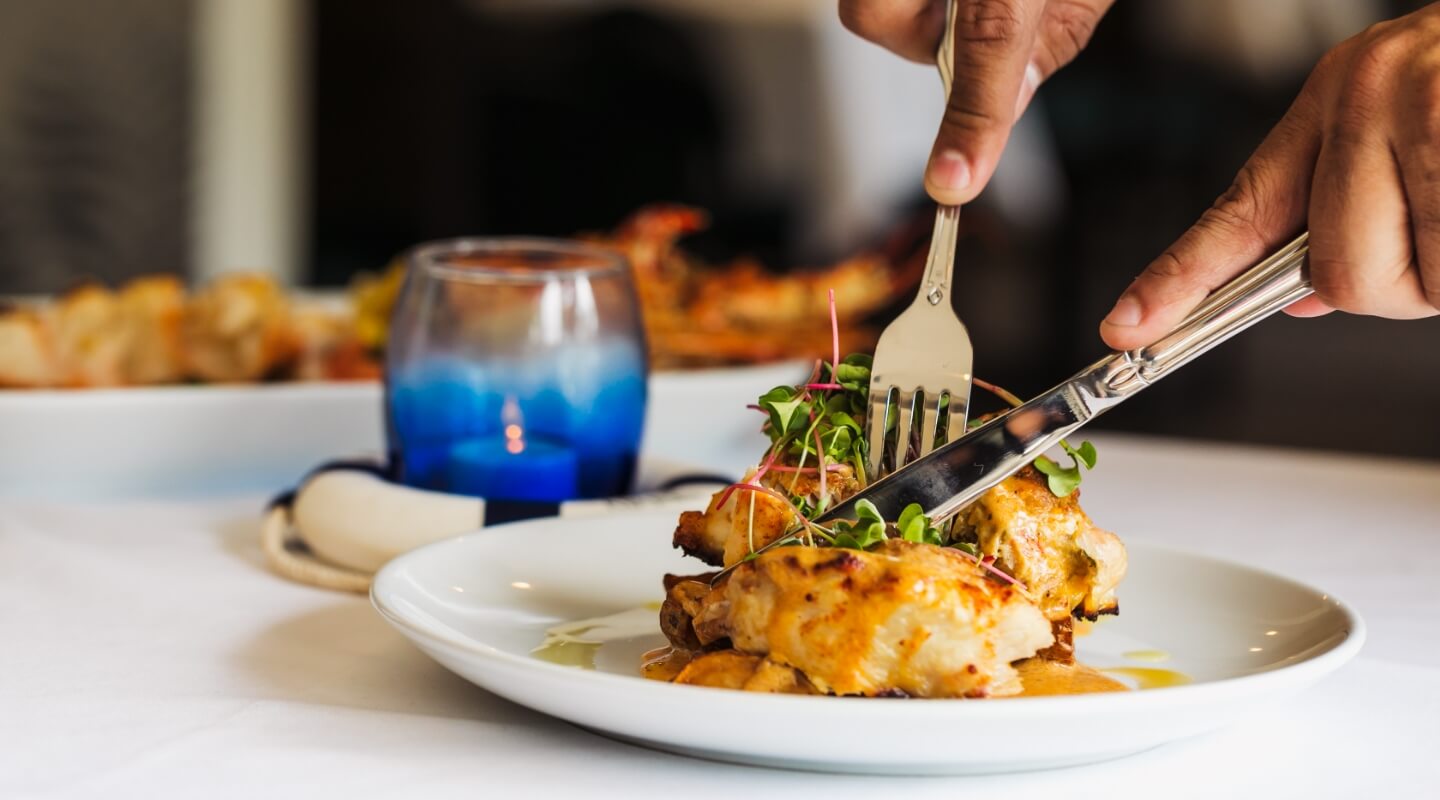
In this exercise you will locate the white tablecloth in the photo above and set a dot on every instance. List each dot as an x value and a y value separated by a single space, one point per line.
145 652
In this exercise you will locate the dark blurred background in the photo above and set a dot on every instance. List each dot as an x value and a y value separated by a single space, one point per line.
317 139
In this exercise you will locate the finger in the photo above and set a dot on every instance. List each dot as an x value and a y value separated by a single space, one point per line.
1065 29
1360 253
993 43
909 28
1360 249
1418 145
1263 209
1308 307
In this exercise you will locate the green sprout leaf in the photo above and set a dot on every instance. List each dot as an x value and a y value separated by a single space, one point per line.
1062 480
914 526
968 547
1065 480
853 372
1085 455
866 531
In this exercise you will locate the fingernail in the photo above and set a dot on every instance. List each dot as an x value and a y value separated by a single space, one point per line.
1028 87
950 171
1126 313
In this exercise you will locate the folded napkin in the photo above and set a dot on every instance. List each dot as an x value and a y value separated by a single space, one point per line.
346 518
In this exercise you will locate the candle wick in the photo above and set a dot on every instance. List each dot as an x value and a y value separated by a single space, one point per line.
514 438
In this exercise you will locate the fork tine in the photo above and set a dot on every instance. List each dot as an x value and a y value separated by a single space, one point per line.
879 401
905 418
930 425
959 413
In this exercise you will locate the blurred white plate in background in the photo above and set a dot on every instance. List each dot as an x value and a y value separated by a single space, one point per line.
93 444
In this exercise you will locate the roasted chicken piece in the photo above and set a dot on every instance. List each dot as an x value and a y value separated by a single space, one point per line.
239 329
731 669
903 619
726 532
1048 543
27 351
683 598
87 327
152 311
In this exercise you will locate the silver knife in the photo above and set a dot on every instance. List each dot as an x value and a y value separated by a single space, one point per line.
956 474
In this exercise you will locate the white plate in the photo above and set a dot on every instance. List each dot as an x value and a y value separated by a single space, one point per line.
105 443
480 603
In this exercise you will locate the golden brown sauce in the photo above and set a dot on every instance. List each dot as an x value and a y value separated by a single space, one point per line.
1042 678
1151 677
1153 656
664 663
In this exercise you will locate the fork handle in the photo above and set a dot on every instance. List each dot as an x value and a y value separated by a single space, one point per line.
1264 289
940 263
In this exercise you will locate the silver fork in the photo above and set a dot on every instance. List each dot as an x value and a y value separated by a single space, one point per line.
925 354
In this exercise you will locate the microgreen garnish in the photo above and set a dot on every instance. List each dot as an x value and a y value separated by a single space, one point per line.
1064 480
817 429
869 528
914 526
866 531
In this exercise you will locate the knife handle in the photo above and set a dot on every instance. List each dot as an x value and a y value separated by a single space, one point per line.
1264 289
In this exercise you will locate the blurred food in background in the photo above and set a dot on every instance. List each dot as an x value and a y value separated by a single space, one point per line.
244 327
700 313
240 328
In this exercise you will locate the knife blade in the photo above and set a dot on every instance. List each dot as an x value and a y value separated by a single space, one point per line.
956 474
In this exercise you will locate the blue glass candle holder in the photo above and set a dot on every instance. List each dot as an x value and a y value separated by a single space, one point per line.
515 371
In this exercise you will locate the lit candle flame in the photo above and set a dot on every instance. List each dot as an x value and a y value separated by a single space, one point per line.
514 431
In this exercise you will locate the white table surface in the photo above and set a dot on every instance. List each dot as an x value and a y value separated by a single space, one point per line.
145 652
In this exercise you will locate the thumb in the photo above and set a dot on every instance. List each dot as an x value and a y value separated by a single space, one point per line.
1264 208
993 43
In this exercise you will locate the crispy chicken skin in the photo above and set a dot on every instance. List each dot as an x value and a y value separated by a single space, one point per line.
904 619
1049 544
683 599
731 669
723 534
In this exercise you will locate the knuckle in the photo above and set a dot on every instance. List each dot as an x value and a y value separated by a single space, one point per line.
989 22
1375 61
961 115
1336 282
1168 265
1329 64
1068 26
1170 278
1432 294
851 18
1424 84
860 17
1236 213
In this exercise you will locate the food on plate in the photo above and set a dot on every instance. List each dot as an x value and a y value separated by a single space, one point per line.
240 328
983 605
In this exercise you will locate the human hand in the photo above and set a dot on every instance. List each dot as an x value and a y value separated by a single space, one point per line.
1004 50
1358 156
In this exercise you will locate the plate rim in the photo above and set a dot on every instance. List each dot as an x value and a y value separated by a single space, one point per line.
1312 667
